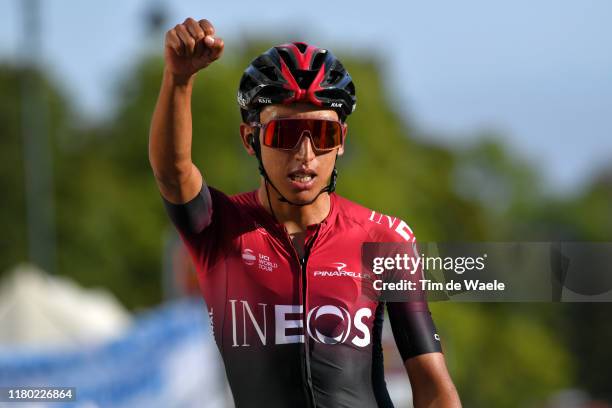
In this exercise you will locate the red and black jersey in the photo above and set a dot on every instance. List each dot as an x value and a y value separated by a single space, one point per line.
297 332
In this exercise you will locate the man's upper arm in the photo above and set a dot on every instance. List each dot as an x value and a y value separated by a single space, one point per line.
180 187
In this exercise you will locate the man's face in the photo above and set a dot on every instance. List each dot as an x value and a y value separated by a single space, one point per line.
299 174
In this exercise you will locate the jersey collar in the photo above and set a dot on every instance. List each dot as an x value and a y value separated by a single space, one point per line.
271 222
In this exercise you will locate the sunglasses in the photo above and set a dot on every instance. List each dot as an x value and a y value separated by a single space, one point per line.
285 134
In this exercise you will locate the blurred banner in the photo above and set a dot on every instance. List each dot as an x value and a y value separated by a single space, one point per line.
166 359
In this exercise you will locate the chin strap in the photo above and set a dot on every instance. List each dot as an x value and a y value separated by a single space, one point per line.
330 188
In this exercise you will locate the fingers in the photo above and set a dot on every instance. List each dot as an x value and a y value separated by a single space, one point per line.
195 39
207 27
197 33
174 42
216 49
188 42
194 28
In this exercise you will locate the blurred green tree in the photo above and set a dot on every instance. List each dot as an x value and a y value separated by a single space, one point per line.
111 222
13 245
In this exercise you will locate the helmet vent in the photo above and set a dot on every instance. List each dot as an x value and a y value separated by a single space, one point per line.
318 60
334 76
247 83
304 78
350 88
301 46
284 54
269 72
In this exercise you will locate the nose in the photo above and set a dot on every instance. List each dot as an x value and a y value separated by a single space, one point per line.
305 147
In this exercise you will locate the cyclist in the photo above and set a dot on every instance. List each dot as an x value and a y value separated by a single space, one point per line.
279 267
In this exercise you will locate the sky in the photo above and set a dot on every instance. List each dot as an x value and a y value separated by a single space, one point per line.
537 73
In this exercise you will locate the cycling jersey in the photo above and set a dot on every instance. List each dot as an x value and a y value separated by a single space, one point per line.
297 332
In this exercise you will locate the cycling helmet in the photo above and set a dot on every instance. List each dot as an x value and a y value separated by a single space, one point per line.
296 72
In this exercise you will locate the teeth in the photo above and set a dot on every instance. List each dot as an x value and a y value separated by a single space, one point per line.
301 179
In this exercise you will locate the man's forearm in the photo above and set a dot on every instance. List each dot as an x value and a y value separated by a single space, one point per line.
432 386
171 137
434 395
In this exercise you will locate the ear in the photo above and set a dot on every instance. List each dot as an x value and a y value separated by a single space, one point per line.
247 132
344 133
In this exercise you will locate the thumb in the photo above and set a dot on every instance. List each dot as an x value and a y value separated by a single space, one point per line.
217 48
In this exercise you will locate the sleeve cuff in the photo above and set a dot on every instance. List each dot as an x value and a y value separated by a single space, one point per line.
193 216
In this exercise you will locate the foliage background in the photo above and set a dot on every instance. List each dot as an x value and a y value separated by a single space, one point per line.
111 224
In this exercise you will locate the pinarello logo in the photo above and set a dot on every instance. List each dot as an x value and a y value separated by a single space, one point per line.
248 257
329 318
341 272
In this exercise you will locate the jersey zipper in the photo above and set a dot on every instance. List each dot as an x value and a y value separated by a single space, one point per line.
306 372
304 262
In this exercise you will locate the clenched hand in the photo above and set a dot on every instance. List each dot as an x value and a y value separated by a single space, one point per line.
191 46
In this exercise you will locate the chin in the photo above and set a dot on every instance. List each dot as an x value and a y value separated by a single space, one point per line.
302 196
305 196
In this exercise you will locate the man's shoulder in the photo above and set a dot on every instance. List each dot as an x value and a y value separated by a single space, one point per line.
234 210
379 226
242 199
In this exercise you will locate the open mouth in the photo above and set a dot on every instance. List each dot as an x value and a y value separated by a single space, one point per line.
302 178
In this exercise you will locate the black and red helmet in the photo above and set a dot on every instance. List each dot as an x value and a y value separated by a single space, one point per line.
296 72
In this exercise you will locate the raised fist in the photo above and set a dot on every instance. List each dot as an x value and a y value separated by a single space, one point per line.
191 46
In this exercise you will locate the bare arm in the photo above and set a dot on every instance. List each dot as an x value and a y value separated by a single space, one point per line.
189 47
178 179
432 386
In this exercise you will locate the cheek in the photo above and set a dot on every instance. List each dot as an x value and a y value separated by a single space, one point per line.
327 160
275 160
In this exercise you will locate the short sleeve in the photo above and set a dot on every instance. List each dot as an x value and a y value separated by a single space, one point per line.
411 322
204 224
193 216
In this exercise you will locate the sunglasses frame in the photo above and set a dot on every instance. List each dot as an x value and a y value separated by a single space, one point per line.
263 127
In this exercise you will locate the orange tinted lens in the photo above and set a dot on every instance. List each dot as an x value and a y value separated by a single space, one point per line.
286 133
283 134
326 134
272 135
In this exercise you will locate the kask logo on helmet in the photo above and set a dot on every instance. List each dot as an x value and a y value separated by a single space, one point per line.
327 324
